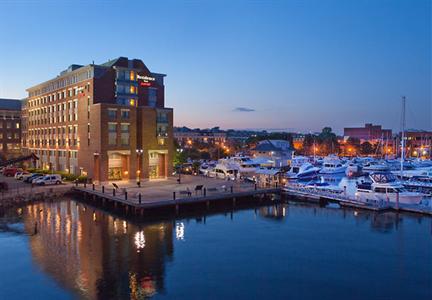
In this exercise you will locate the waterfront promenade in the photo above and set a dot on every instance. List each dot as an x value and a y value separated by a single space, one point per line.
164 193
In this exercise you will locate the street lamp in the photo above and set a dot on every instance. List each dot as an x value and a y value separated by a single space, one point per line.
139 152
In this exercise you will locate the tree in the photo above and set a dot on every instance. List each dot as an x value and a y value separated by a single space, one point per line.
366 148
328 141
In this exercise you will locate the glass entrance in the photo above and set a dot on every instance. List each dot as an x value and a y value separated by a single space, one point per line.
115 169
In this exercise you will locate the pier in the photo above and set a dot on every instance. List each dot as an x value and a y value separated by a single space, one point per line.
317 195
169 194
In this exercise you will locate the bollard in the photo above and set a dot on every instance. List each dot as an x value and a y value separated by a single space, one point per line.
255 186
93 187
125 195
139 198
85 185
139 183
205 192
174 196
231 188
76 183
103 189
276 184
114 192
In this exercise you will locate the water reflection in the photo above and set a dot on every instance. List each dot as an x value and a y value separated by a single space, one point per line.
96 254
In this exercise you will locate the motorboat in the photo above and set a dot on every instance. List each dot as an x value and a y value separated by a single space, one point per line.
303 171
225 169
247 167
205 168
376 166
384 186
332 165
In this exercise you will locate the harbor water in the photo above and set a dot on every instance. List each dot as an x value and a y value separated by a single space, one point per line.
70 250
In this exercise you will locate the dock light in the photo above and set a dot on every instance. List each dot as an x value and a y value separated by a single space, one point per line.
415 153
424 152
126 172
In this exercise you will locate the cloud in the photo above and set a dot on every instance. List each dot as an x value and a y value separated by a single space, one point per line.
243 109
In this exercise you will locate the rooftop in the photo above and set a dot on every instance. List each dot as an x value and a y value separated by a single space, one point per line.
10 104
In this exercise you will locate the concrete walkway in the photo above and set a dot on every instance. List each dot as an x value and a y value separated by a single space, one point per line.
159 190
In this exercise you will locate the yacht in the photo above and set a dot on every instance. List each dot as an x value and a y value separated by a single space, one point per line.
225 169
376 166
303 171
332 165
385 187
205 168
247 167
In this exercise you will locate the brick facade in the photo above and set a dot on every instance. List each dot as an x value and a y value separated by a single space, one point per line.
101 121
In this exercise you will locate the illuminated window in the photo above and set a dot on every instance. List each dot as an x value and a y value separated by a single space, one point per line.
132 89
161 141
132 102
132 75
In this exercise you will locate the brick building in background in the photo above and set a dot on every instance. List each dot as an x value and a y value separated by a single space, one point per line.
106 121
10 127
370 133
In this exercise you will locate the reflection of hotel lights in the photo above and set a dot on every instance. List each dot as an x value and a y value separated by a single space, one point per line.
180 231
124 227
140 240
94 216
356 213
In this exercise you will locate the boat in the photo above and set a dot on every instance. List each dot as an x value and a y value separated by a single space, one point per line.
332 165
305 171
225 169
247 167
205 168
384 186
376 166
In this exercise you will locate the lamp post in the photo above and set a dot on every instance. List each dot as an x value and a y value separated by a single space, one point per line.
139 153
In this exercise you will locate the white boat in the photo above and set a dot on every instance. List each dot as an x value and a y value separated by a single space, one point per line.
385 187
247 167
332 165
225 169
376 166
205 168
304 171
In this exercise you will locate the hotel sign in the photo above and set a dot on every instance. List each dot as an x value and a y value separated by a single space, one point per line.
145 80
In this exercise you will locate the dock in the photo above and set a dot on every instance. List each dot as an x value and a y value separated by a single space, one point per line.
169 194
312 194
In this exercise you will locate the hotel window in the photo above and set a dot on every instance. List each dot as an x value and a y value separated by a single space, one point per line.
112 133
132 75
125 113
9 135
1 124
152 97
1 135
120 88
125 134
112 113
8 125
133 89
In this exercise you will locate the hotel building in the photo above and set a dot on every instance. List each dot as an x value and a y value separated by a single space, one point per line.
106 121
10 128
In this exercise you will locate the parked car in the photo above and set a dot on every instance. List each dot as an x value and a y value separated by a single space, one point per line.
26 175
48 179
19 175
10 172
33 176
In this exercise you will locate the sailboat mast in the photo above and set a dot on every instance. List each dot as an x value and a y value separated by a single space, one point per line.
403 135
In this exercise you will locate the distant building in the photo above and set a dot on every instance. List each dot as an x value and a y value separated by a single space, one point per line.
418 142
186 137
370 133
10 127
278 151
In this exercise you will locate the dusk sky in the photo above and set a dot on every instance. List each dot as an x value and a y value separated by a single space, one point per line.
297 65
